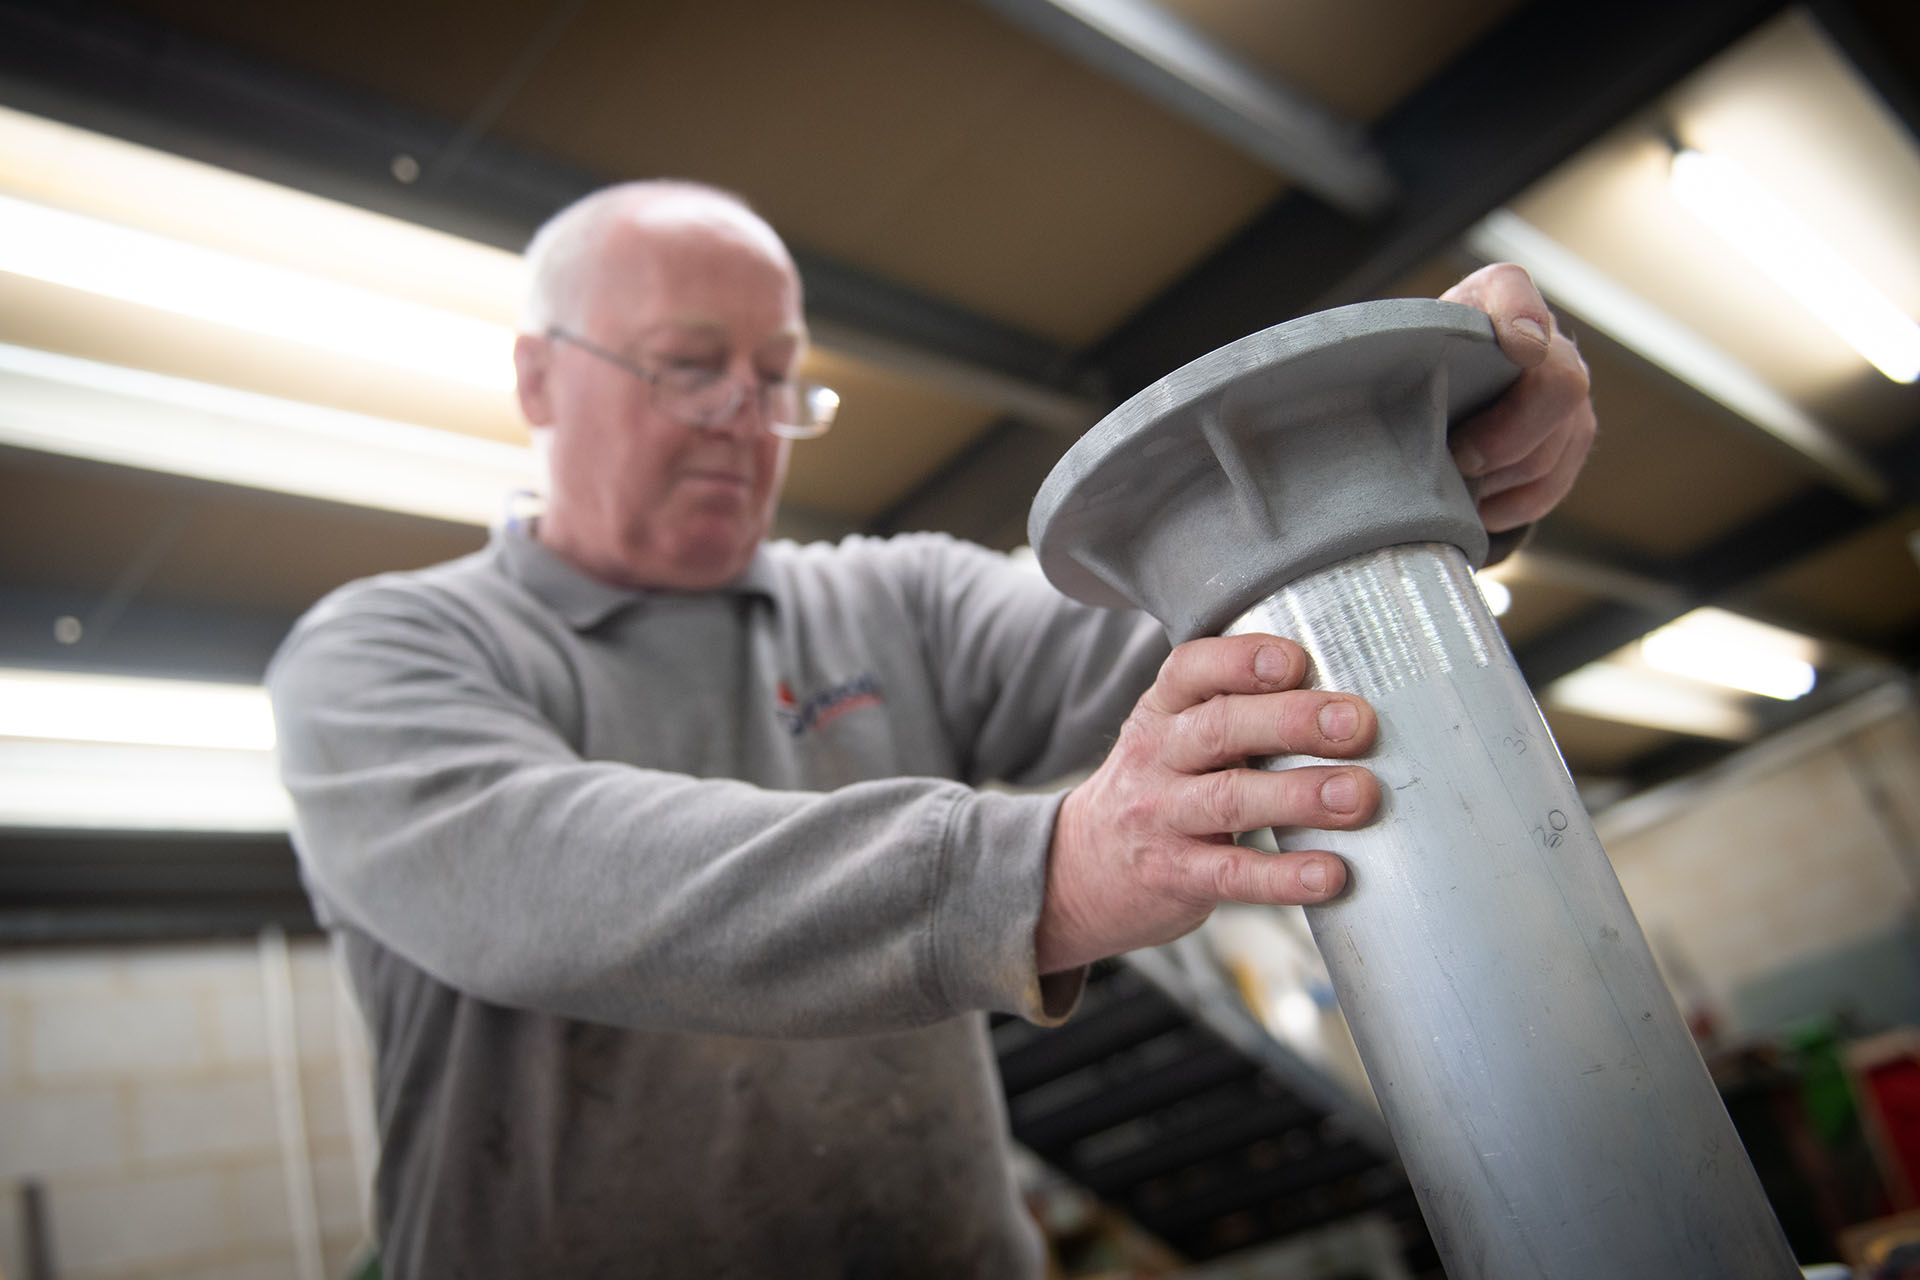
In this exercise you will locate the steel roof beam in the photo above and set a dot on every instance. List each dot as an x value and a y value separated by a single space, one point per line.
1177 66
1541 85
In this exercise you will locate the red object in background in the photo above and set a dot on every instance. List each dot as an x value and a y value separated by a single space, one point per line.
1886 1074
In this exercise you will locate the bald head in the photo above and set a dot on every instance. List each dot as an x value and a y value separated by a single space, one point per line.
565 254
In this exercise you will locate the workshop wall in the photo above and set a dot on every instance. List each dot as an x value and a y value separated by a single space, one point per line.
1784 887
136 1086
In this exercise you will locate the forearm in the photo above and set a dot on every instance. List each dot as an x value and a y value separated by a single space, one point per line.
641 898
442 814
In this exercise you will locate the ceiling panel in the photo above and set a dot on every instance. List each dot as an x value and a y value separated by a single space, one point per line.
889 134
1310 45
1597 747
1866 586
1539 603
1669 470
80 526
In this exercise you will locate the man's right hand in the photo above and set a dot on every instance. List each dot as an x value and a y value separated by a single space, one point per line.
1143 850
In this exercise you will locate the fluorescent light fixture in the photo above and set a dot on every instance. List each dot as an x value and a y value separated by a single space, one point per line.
1641 327
134 753
104 258
112 786
1794 256
1725 649
1499 598
74 707
1296 1016
1609 691
129 417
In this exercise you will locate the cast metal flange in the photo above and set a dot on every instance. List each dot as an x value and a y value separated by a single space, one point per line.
1276 455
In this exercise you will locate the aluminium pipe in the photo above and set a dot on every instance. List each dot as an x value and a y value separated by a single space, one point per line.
1546 1098
1548 1103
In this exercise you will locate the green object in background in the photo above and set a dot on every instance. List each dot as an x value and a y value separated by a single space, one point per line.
1824 1092
366 1266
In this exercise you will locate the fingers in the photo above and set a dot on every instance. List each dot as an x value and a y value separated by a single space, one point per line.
1512 507
1141 850
1226 731
1521 319
1203 669
1229 873
1526 449
1233 800
1549 402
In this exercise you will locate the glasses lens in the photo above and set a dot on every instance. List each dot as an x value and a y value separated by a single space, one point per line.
697 397
807 409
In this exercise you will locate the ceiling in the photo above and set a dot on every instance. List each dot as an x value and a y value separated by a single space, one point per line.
1002 235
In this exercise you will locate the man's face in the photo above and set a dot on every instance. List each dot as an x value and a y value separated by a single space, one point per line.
635 497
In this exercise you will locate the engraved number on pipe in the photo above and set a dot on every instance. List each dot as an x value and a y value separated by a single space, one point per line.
1515 744
1553 831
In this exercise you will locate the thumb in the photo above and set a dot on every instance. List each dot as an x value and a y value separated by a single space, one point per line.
1522 321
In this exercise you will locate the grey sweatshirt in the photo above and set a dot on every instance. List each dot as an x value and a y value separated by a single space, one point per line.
673 915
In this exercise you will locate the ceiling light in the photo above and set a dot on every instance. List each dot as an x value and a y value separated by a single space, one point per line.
111 786
104 258
1607 691
129 417
1499 598
1735 653
126 709
1655 336
1794 256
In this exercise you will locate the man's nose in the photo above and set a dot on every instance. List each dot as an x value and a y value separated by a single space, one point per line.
746 416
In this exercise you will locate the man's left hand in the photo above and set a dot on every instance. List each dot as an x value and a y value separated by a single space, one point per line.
1524 450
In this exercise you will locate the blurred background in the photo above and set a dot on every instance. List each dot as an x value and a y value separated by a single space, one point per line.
258 267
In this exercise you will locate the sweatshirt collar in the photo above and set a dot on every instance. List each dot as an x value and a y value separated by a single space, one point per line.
583 600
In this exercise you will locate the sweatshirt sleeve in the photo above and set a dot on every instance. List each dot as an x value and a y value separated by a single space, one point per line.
1034 685
441 815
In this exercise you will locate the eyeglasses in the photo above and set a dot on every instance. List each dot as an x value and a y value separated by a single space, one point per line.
705 397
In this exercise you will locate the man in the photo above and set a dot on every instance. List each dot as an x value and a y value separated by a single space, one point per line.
654 849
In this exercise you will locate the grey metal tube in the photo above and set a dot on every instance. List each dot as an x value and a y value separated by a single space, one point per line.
1552 1112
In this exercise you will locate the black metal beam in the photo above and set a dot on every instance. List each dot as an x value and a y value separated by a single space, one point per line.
1882 40
1541 85
197 642
100 886
135 79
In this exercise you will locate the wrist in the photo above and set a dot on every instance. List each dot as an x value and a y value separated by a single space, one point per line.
1059 938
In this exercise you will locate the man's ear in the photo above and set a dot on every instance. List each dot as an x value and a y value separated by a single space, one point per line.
532 361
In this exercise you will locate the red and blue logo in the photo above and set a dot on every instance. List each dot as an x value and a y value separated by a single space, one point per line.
823 708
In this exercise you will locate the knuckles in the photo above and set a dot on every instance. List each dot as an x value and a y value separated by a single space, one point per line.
1203 733
1218 802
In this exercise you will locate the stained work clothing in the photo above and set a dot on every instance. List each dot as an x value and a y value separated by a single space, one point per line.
674 915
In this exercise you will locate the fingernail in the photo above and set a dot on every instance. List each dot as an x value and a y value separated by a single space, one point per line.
1270 663
1338 721
1313 877
1528 328
1469 459
1340 793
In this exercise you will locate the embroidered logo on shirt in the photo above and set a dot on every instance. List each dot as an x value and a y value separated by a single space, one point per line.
826 706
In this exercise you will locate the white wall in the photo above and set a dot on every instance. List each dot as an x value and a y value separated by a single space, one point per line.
137 1085
1793 855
